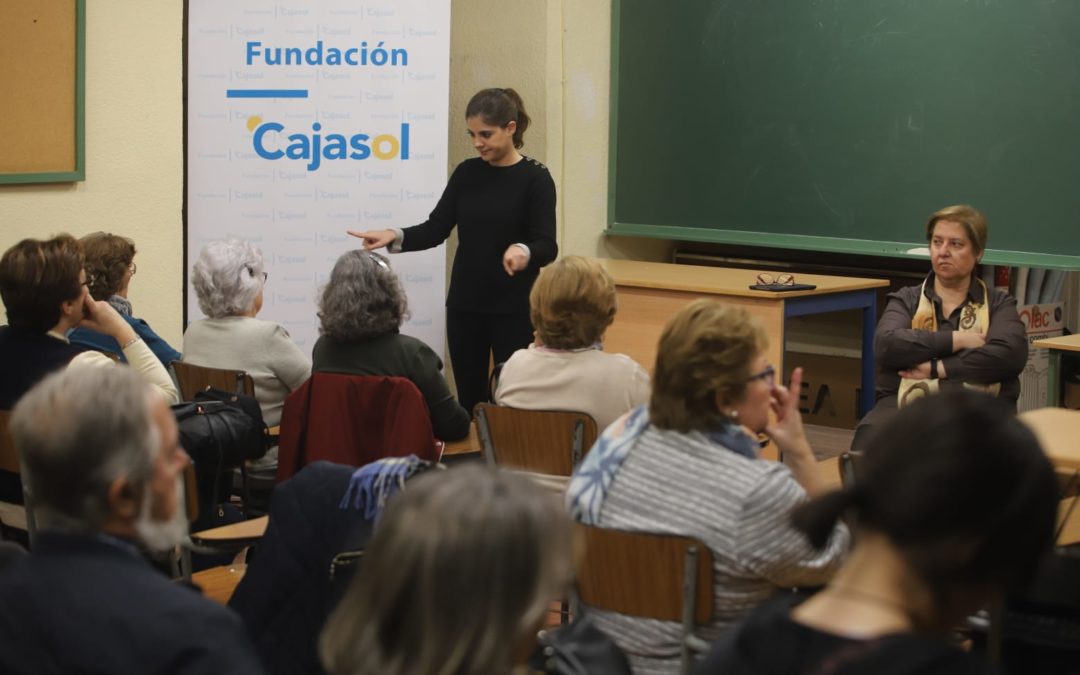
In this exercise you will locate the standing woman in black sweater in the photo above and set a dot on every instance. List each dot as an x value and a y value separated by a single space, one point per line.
504 206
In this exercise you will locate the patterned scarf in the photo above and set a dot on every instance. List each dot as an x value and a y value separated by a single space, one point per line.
121 305
974 316
372 484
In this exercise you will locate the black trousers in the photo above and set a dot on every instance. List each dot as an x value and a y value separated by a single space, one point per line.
475 340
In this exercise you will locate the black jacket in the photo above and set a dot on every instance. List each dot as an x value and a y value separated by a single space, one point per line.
85 604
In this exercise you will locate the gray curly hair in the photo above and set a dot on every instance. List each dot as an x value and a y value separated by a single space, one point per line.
228 277
363 298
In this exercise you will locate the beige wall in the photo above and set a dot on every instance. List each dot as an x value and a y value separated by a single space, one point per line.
555 52
134 161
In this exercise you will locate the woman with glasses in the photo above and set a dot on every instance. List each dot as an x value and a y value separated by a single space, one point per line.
955 502
687 464
110 265
44 289
228 278
360 312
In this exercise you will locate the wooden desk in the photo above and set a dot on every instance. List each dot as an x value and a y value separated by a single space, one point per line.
1057 430
241 534
1056 345
468 445
651 293
219 583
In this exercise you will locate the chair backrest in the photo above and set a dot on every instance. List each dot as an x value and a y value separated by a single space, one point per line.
9 457
541 441
193 379
655 576
9 461
353 420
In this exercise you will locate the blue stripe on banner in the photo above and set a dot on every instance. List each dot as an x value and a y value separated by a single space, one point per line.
266 93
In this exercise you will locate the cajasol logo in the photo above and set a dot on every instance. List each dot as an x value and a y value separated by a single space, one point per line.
312 147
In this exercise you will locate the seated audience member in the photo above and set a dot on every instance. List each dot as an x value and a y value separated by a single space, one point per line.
571 305
228 278
687 464
950 330
110 265
458 578
361 310
954 501
43 286
323 511
104 471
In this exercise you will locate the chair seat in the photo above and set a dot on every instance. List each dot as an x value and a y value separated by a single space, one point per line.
13 516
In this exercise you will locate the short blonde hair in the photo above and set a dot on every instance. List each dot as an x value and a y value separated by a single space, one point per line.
706 349
974 224
572 303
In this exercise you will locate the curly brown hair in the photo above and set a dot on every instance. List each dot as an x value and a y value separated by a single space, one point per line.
108 258
705 351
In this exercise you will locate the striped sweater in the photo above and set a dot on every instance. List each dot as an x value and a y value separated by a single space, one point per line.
683 484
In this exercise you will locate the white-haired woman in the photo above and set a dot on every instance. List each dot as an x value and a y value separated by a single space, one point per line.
228 278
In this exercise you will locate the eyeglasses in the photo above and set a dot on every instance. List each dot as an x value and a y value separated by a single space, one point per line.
767 279
133 268
769 375
266 275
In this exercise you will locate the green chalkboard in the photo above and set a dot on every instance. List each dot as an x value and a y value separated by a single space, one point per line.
841 124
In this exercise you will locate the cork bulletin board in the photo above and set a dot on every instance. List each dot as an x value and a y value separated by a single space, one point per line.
42 90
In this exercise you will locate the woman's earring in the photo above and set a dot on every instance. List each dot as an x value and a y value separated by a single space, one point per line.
734 414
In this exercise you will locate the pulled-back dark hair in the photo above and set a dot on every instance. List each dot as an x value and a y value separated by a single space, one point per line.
961 489
499 107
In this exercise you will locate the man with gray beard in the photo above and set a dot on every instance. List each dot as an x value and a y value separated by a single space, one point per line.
102 462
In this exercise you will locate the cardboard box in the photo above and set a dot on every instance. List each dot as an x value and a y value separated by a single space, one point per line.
830 391
1040 321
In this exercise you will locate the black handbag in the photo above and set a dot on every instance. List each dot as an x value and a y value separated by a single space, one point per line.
579 648
216 434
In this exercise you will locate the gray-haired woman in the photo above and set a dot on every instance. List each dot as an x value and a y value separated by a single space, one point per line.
361 310
228 278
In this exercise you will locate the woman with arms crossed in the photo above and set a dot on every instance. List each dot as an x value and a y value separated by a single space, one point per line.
504 206
950 330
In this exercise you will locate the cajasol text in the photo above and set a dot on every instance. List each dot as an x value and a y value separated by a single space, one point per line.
314 147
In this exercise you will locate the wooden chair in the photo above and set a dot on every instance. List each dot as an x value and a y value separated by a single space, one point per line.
15 516
193 379
652 576
541 441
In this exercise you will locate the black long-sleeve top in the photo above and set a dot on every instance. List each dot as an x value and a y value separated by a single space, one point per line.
493 207
898 346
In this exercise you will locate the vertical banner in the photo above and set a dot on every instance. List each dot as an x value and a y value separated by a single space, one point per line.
309 118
